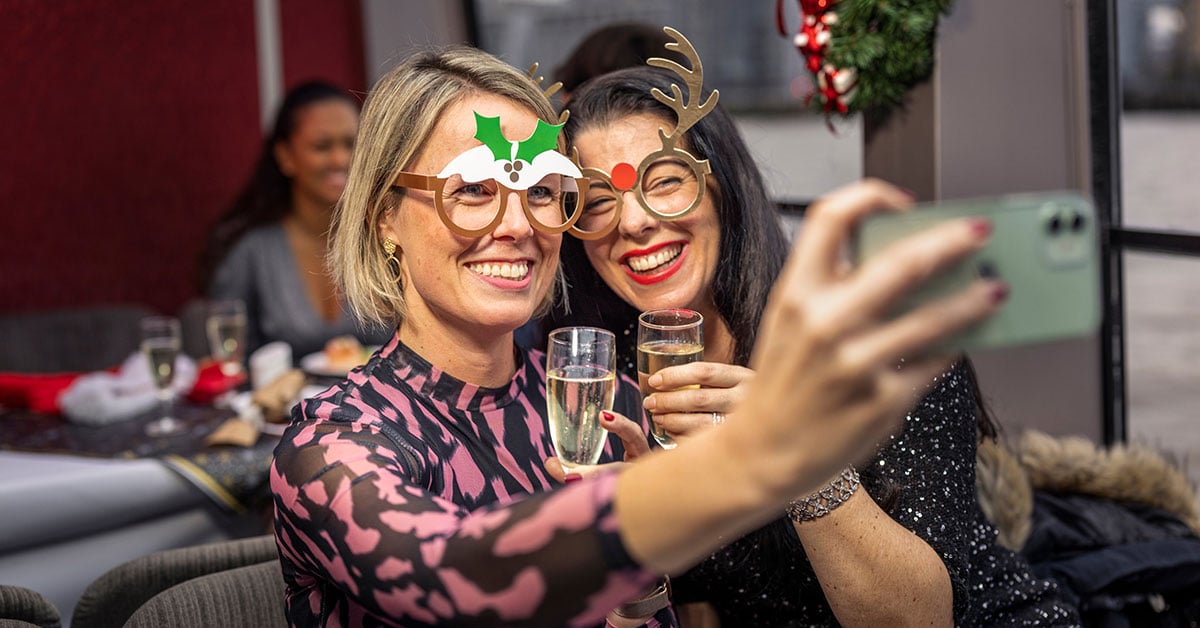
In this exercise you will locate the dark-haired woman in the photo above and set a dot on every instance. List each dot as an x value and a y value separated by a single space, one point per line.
269 248
908 544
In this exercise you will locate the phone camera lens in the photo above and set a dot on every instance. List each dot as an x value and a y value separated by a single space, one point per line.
1078 222
987 270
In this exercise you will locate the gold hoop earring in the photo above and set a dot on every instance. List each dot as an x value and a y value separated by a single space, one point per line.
393 264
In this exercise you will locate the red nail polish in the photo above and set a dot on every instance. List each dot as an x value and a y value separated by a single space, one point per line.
999 292
572 477
981 227
607 416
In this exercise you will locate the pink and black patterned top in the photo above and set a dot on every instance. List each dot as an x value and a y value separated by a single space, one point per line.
404 496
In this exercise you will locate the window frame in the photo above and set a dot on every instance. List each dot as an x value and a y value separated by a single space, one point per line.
1116 238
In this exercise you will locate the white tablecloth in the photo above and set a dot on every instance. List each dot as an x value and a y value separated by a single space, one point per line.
66 520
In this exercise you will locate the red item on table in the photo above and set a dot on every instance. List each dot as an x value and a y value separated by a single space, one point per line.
38 392
211 382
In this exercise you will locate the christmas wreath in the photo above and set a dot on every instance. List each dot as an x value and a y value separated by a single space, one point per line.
864 54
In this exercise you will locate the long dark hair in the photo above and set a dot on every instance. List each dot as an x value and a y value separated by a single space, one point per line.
267 196
752 245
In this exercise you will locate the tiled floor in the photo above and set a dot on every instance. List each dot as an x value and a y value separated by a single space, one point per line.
1161 180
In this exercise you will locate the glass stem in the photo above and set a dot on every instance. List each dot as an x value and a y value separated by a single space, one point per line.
164 400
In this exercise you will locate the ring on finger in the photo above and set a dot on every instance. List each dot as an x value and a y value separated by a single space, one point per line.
718 418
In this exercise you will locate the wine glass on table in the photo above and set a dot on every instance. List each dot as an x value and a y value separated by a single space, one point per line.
667 337
581 381
226 330
161 340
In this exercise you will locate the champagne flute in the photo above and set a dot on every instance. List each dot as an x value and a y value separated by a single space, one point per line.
226 330
581 380
667 337
161 340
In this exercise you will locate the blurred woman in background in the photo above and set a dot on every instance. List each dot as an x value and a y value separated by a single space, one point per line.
268 249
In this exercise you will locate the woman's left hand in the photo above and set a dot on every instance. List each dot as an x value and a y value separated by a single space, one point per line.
684 410
631 435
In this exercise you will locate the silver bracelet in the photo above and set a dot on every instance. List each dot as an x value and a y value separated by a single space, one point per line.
823 502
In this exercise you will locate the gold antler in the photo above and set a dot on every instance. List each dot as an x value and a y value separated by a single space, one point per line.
688 113
549 91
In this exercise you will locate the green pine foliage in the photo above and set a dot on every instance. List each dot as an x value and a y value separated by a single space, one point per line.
890 43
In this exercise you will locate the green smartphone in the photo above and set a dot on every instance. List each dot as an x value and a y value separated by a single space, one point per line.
1044 246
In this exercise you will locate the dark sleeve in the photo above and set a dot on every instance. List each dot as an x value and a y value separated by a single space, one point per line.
349 517
931 468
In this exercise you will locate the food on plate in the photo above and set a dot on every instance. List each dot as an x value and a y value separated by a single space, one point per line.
344 352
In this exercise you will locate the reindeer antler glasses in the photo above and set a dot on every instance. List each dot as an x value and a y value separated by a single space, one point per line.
669 183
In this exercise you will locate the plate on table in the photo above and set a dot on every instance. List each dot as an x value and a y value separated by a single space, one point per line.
318 364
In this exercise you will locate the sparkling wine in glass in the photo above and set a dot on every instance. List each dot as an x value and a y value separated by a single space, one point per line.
161 340
581 382
667 337
226 330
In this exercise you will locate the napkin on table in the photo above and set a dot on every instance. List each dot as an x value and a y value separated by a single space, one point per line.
103 398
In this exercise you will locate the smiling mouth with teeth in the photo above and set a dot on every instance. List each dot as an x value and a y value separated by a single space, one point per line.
655 260
504 270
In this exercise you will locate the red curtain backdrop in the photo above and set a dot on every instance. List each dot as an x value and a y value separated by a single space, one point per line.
323 40
128 127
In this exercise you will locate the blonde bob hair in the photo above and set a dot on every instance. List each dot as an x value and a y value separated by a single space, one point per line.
399 115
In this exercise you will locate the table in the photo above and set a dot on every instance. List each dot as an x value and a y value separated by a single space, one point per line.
77 501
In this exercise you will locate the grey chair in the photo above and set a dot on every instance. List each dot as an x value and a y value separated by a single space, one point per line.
246 597
113 597
78 339
192 317
24 607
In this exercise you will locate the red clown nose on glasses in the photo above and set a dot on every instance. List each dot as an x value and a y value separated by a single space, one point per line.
624 176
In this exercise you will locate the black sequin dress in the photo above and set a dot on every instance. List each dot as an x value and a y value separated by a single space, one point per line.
765 579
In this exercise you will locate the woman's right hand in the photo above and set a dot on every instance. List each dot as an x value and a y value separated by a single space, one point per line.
829 377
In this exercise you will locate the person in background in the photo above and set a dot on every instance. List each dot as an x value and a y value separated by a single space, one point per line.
414 492
268 249
611 47
908 543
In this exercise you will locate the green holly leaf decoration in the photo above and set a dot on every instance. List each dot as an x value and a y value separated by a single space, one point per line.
890 43
487 130
544 138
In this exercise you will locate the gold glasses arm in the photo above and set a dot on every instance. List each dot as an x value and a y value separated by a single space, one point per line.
549 91
428 183
687 112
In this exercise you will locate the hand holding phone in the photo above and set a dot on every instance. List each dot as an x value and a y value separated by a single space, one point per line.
1043 245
